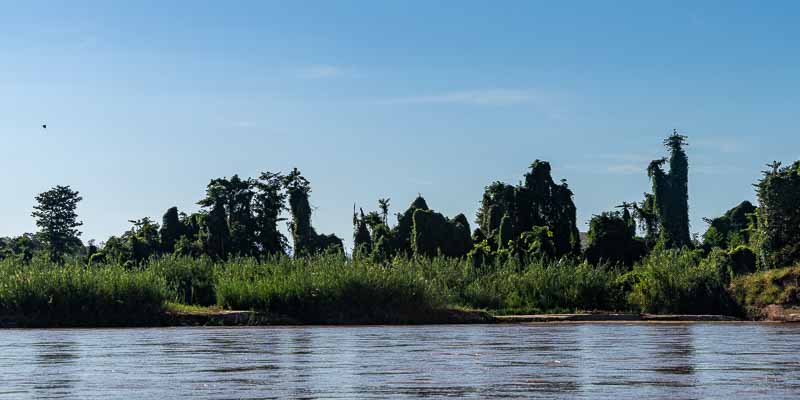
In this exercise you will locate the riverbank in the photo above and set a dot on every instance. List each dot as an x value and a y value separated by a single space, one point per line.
218 317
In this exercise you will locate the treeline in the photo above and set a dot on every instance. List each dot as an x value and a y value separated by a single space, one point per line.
533 220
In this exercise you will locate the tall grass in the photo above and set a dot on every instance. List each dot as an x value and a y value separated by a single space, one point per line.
777 286
44 293
681 282
326 288
332 288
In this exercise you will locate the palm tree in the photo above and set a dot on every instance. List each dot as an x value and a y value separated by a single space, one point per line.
383 204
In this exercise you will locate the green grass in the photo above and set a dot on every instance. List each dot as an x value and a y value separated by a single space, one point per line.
680 282
332 288
72 294
777 286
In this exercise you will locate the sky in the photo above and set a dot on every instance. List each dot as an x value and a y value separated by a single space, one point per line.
146 101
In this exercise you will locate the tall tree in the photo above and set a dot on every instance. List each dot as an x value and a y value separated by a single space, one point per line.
56 217
171 230
218 235
383 205
671 193
539 202
306 240
268 203
777 240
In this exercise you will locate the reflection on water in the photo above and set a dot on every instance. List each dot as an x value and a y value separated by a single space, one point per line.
724 361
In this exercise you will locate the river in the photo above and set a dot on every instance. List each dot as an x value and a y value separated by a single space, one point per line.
616 361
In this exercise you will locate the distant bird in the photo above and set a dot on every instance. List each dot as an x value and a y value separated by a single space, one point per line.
44 126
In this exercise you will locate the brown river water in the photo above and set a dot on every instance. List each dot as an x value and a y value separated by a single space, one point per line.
569 361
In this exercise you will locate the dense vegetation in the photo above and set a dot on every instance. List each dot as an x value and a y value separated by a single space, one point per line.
524 254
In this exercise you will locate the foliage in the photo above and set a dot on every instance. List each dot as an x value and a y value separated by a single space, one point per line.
57 220
323 288
507 212
777 241
73 294
731 229
306 240
433 235
670 199
612 240
362 240
680 282
170 231
776 286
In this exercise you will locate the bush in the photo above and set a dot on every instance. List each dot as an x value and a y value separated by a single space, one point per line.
680 282
778 286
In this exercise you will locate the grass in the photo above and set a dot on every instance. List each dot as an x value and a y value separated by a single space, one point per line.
47 294
680 282
334 289
777 286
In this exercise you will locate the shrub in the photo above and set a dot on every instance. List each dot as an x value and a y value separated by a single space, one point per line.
678 281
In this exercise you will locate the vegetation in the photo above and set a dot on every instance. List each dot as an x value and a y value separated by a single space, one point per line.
48 293
524 255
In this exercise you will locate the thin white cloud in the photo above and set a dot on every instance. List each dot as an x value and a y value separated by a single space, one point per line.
722 144
320 72
244 124
491 97
626 169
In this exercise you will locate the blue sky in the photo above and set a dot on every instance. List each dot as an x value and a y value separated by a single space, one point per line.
147 101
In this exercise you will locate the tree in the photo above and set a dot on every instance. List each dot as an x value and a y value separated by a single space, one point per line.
383 205
671 193
362 241
268 203
731 229
171 230
612 240
218 236
538 202
401 234
306 240
777 241
434 234
57 220
235 195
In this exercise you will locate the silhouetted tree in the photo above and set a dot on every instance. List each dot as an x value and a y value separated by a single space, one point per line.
57 220
306 240
671 194
217 235
171 230
362 241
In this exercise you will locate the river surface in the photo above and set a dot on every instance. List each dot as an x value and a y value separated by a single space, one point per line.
616 361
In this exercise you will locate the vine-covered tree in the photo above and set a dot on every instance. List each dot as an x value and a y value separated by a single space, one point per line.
671 194
778 239
218 237
362 240
171 230
539 202
435 235
732 229
268 203
56 217
306 240
612 240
